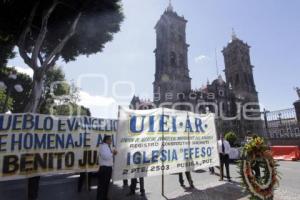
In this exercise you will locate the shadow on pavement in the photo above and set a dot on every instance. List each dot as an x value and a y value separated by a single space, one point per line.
60 188
65 187
228 191
121 193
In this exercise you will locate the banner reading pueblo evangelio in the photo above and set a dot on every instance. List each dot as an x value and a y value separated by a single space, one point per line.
163 141
35 144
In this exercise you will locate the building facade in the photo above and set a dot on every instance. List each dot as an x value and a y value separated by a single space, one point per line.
226 98
171 58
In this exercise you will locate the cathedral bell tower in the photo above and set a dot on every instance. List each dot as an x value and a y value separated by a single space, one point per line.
238 69
239 77
171 62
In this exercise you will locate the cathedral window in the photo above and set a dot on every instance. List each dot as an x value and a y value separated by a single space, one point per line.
233 60
172 35
162 32
247 59
180 96
173 58
221 93
193 96
172 32
237 79
251 80
246 78
211 96
180 38
181 60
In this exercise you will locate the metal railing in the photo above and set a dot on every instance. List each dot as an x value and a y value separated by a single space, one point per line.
282 124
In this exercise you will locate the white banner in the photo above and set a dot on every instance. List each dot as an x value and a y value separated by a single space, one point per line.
35 144
163 141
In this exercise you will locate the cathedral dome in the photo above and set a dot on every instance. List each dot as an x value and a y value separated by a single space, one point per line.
219 81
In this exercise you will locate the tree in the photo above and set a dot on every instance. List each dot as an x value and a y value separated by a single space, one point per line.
19 100
59 97
54 85
47 30
67 95
6 50
9 102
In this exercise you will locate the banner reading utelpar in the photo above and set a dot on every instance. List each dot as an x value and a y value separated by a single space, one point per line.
163 141
35 144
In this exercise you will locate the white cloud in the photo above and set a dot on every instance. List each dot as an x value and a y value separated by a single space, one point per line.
200 58
23 70
88 100
100 106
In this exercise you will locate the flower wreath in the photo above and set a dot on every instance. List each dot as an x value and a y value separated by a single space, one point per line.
255 155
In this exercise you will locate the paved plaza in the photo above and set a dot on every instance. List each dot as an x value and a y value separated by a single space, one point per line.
206 187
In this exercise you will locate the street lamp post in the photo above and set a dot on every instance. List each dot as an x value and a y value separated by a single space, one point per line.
9 88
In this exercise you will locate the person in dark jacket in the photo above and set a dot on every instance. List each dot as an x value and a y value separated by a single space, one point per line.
134 184
83 176
188 177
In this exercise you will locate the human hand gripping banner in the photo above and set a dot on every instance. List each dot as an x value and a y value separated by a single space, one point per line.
35 144
163 141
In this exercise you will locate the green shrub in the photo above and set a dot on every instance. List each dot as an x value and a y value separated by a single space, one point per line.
231 138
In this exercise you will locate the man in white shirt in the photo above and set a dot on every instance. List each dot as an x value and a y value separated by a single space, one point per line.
224 150
106 156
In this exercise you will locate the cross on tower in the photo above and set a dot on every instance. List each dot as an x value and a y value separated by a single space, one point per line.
170 7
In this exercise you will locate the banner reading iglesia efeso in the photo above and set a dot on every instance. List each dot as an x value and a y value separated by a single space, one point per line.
163 141
35 144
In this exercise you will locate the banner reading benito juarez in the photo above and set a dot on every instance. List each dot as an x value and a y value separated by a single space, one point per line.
36 145
163 141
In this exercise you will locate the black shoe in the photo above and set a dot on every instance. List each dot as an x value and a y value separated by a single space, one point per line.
192 187
143 194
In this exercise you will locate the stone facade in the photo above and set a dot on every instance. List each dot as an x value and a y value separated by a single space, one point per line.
172 84
171 57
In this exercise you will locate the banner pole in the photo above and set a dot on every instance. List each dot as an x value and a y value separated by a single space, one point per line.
115 141
189 145
189 139
163 170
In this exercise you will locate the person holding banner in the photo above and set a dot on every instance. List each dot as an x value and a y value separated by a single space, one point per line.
133 186
33 187
125 183
105 170
224 150
84 176
188 177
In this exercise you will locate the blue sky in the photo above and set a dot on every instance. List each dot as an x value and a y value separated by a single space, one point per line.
270 27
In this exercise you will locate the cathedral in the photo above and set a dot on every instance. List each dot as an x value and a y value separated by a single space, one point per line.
226 98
